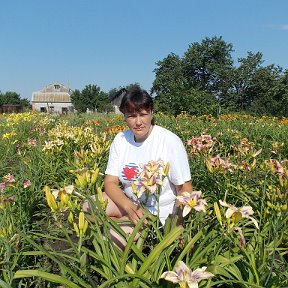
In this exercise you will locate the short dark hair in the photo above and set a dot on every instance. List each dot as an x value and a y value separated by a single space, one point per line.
135 100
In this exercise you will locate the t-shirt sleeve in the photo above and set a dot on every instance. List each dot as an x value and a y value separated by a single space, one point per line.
113 159
179 165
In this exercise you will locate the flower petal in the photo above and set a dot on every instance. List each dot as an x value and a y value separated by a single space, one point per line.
200 274
69 189
254 222
181 266
170 276
186 210
55 193
230 212
224 204
246 211
193 284
201 205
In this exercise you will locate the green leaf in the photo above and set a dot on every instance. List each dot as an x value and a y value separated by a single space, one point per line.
4 284
188 246
168 239
44 275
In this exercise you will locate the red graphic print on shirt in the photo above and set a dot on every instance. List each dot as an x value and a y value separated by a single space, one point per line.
130 171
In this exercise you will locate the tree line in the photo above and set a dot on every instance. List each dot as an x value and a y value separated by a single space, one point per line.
13 98
205 80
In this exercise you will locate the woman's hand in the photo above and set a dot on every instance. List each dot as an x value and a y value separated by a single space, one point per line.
134 212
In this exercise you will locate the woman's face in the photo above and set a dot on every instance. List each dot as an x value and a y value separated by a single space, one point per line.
139 123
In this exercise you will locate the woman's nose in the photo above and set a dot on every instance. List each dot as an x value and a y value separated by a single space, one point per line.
138 120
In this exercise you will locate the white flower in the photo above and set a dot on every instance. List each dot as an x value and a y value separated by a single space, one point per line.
185 277
238 213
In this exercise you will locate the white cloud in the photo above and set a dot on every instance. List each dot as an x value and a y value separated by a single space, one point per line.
284 27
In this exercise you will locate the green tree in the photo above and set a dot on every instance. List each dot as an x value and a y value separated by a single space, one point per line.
203 76
168 75
205 80
269 88
92 98
13 98
168 84
207 65
192 101
240 95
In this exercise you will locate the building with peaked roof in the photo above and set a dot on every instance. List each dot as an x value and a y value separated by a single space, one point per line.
54 98
116 99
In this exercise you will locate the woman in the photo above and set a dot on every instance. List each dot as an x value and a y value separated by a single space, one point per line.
142 142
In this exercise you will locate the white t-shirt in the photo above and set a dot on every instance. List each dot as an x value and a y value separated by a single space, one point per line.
126 155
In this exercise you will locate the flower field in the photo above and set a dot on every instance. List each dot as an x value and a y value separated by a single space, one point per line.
235 227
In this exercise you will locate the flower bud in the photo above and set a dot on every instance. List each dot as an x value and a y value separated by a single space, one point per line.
218 213
50 199
167 168
70 217
208 165
94 176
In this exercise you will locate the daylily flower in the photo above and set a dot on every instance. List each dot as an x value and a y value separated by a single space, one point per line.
201 144
147 184
4 200
32 142
238 213
150 177
9 178
26 183
219 164
2 185
192 200
152 168
276 167
63 193
185 277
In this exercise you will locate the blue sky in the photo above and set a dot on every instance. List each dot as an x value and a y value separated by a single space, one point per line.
112 43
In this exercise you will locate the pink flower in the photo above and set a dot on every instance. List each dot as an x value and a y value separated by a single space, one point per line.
192 201
276 167
150 178
217 163
32 142
9 178
2 185
26 183
201 144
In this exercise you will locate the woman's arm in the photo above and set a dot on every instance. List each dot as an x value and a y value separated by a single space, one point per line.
113 190
186 187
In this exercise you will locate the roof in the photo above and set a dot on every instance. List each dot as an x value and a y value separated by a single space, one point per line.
55 92
117 97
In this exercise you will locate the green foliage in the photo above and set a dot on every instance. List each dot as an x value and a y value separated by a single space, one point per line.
193 101
207 67
13 98
41 248
91 98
